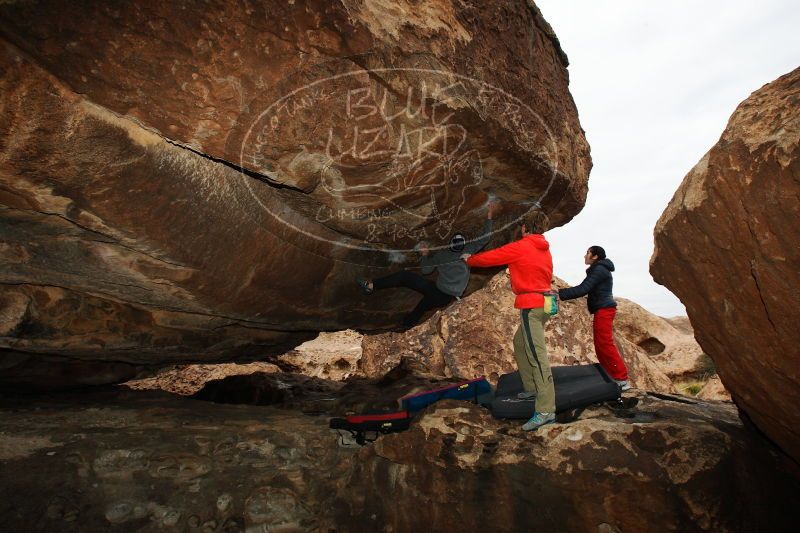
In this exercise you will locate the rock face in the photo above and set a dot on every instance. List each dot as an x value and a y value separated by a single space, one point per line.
585 476
670 343
714 390
188 379
331 356
473 337
727 246
148 462
202 181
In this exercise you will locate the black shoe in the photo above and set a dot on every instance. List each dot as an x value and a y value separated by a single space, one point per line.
364 284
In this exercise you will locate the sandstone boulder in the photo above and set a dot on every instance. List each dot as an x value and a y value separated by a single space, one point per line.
195 182
333 356
714 390
681 323
668 466
189 379
669 343
727 246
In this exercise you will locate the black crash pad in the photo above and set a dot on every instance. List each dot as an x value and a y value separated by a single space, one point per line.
576 386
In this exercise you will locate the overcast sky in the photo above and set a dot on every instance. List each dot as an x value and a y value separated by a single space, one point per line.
655 84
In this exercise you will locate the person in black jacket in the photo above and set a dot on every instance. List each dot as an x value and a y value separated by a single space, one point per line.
453 273
598 286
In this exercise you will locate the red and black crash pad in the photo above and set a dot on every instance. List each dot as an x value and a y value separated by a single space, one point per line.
377 423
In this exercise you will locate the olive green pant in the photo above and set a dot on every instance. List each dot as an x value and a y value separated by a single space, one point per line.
530 352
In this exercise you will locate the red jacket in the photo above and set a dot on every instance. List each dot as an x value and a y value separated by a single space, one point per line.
530 265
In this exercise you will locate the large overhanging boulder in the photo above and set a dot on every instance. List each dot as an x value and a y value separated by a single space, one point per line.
202 182
727 245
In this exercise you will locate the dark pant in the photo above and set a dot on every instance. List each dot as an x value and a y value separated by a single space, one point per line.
432 297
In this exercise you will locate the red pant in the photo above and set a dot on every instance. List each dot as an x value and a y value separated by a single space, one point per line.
607 353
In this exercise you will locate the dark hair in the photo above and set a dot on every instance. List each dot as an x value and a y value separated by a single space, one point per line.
535 221
597 251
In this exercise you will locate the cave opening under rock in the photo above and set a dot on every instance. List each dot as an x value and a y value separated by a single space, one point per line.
652 346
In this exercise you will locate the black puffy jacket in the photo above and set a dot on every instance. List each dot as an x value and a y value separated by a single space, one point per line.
599 284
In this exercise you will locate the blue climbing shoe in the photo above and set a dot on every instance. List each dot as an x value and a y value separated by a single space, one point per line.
538 420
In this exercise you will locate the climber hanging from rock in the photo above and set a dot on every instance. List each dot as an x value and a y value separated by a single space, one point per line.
453 273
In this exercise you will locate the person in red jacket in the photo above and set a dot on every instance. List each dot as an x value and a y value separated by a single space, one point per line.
531 268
